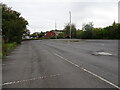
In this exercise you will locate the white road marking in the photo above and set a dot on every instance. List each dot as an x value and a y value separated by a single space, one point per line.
6 64
102 53
107 81
27 80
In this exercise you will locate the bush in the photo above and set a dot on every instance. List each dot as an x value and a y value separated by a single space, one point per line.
60 36
53 37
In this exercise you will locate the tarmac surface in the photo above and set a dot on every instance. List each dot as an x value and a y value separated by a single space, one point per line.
62 64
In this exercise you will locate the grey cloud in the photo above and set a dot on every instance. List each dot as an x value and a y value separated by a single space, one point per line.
42 15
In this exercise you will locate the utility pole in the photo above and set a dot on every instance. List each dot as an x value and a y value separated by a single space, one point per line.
56 29
55 25
119 12
70 23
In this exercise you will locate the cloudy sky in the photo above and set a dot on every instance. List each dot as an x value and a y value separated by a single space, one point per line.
42 14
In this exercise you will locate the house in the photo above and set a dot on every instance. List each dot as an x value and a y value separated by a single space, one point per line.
50 34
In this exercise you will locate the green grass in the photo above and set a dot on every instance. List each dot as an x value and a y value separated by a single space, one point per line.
7 48
0 50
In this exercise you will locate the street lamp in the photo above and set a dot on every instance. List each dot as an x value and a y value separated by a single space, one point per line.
55 29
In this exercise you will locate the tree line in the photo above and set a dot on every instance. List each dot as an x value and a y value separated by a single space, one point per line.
109 32
89 32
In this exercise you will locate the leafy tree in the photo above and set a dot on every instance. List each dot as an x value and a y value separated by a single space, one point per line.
80 34
26 33
109 32
0 17
88 29
41 34
97 33
35 35
67 31
112 32
13 25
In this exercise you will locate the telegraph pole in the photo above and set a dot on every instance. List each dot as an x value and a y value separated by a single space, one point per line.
119 12
56 29
70 23
55 25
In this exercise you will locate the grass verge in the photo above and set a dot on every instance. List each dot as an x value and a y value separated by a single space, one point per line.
7 48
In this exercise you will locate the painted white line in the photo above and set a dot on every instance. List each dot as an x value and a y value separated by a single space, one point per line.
6 64
107 81
102 53
27 80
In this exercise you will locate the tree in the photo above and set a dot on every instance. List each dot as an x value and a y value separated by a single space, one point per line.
97 33
13 25
109 32
112 31
67 31
80 34
88 30
41 34
26 33
35 35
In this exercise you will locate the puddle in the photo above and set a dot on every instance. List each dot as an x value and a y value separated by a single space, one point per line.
102 53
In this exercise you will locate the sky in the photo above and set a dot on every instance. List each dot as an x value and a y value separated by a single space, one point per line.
42 14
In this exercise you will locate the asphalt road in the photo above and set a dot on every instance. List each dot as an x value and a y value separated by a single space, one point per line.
62 64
